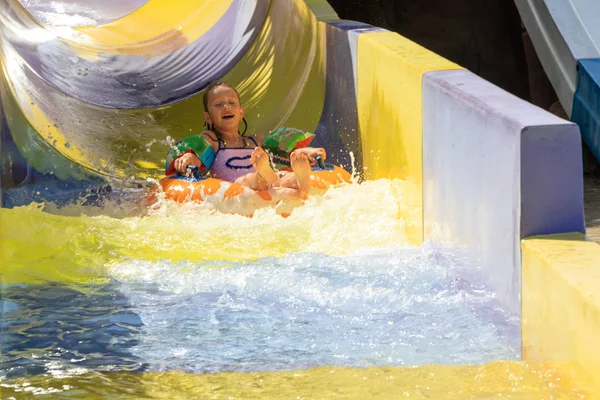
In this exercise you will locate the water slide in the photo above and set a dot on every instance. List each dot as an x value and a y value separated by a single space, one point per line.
66 95
566 36
458 268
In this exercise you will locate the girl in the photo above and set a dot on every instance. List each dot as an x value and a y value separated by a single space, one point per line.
238 158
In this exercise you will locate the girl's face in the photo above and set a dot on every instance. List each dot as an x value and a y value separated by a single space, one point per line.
224 109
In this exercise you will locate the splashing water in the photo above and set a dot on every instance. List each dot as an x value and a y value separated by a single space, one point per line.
377 307
343 221
189 289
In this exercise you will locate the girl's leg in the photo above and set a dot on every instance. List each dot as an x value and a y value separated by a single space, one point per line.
253 181
300 178
264 177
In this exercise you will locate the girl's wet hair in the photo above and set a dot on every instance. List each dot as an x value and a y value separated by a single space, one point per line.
209 89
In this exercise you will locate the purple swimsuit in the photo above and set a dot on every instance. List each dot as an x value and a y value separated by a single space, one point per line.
230 164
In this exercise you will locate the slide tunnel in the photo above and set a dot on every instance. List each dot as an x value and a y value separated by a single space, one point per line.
100 102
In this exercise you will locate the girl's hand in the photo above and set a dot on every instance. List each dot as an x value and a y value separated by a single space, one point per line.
318 152
313 153
182 162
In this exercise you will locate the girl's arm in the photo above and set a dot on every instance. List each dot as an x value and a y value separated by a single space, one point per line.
211 137
186 159
189 157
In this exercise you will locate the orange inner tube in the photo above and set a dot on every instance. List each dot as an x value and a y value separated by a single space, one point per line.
182 191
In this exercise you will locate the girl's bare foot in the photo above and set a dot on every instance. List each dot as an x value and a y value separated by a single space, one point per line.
302 169
260 161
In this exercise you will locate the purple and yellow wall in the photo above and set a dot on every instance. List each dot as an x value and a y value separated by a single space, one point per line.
490 173
482 169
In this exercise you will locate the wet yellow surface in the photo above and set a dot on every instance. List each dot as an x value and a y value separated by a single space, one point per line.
507 380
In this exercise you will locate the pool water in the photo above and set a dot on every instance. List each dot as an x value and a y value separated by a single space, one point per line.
218 300
373 308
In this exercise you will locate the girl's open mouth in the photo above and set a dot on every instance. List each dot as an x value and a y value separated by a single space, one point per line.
227 116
